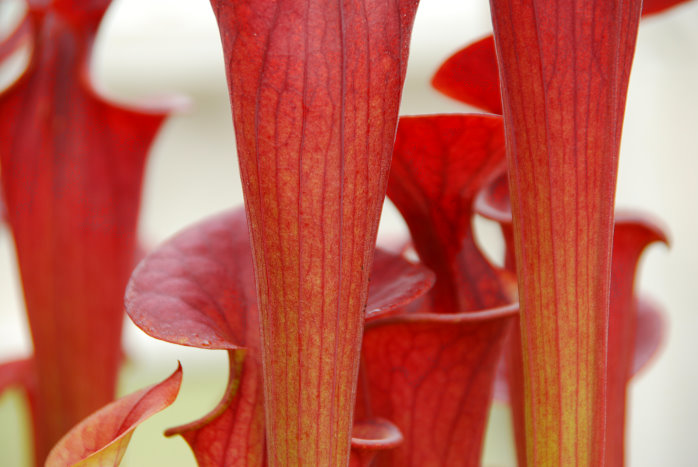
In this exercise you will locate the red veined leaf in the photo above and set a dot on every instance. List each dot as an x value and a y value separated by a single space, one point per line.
493 203
634 335
648 338
197 289
102 438
431 375
72 166
563 134
439 165
315 88
471 76
182 292
369 437
625 346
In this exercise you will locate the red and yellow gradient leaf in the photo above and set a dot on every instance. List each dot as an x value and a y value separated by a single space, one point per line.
315 88
564 82
197 289
636 327
102 438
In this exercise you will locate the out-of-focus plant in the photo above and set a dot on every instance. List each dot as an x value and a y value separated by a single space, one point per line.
72 165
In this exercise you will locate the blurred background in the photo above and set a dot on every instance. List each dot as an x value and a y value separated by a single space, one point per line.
153 48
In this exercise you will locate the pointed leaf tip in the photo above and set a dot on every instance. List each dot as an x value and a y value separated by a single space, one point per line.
471 76
233 432
102 438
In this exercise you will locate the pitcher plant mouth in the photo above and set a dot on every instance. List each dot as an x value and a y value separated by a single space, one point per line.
339 352
502 312
197 289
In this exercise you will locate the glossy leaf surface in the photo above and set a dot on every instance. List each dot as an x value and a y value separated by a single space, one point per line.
197 289
102 438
